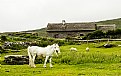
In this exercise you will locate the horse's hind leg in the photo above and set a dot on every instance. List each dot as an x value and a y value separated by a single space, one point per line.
45 61
30 59
51 62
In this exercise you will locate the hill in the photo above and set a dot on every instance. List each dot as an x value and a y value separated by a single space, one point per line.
113 21
41 32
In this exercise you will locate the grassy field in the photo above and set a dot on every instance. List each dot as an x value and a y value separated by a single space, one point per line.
96 62
88 69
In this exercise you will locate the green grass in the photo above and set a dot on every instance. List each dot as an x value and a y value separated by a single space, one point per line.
93 49
96 62
89 69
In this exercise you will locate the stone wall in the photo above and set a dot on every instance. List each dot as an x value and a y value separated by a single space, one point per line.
105 28
68 34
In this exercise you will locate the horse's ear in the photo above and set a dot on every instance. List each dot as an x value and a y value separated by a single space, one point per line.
54 43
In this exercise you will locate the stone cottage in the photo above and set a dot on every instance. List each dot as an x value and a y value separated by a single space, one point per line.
62 30
107 27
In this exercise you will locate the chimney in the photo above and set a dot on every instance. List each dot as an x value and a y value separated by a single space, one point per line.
63 22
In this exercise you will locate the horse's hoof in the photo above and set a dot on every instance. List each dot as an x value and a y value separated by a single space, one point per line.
51 67
44 66
34 66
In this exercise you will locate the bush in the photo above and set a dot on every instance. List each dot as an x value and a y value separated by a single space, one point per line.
3 38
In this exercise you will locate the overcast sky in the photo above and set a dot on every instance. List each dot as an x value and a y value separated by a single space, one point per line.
20 15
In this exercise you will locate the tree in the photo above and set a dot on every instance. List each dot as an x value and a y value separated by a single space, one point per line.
96 35
110 33
3 38
118 33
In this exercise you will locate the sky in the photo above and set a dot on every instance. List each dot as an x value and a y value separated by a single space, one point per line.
22 15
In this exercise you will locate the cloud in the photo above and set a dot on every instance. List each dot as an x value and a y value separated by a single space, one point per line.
35 14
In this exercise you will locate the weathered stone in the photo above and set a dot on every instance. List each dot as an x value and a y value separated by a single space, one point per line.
16 59
108 45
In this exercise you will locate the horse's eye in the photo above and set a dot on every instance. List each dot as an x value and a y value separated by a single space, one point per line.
56 51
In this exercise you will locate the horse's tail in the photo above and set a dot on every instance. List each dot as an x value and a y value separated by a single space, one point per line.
29 54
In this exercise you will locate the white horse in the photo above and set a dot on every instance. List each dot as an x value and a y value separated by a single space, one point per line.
47 52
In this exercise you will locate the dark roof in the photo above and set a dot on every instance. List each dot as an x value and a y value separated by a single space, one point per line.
70 26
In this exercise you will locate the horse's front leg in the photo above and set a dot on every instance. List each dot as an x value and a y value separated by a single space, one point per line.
51 62
33 64
45 61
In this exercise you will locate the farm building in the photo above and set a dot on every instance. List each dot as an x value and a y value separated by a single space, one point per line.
63 30
105 28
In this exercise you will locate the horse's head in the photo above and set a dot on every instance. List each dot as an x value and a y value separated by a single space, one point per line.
56 49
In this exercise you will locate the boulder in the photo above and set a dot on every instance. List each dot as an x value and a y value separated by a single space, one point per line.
108 45
16 59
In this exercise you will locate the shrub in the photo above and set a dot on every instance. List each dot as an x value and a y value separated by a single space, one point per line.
3 38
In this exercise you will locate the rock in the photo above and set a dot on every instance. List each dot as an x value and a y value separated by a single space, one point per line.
119 45
108 45
15 50
16 59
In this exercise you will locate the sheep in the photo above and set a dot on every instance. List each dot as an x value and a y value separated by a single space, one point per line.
73 49
87 49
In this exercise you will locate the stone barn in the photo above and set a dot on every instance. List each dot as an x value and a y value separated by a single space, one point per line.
63 30
107 27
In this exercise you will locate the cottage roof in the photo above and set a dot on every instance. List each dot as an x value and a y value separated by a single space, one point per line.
70 26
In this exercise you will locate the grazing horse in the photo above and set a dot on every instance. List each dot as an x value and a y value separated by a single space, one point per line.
47 52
